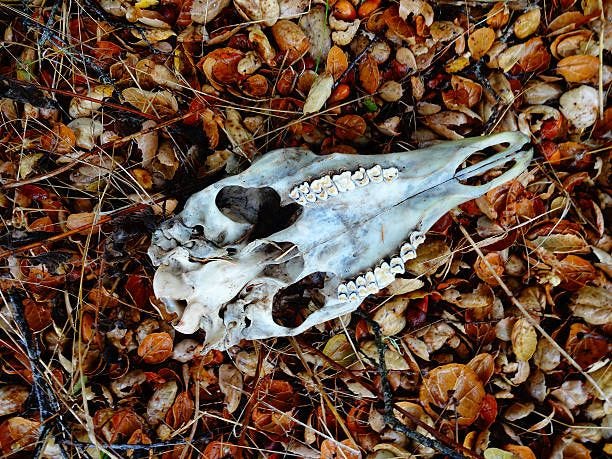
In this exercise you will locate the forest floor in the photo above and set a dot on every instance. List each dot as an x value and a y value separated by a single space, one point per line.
497 338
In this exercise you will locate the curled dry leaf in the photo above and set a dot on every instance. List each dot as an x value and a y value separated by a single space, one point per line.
155 348
18 434
430 256
416 7
527 23
319 93
337 62
350 127
331 449
12 398
230 383
480 41
571 394
580 106
456 389
204 11
481 269
161 401
579 68
159 103
291 39
238 135
390 316
484 366
393 359
86 132
481 297
265 11
314 25
593 304
340 350
369 75
524 339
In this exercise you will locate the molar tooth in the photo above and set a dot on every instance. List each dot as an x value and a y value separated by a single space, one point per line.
322 195
375 174
417 238
304 188
301 200
316 186
326 181
370 279
294 194
342 293
397 265
352 289
390 174
360 281
311 197
383 274
332 190
360 177
407 252
343 182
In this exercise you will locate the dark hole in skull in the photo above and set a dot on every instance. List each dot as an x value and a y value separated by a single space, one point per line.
292 305
476 169
260 207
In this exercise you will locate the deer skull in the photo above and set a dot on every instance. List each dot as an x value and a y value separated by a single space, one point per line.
355 218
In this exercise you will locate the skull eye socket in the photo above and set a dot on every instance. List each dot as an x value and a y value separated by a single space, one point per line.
260 207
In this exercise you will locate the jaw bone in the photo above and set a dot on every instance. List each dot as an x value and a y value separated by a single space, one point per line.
362 218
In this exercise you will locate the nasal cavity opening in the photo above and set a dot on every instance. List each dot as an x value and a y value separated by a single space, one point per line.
260 207
484 165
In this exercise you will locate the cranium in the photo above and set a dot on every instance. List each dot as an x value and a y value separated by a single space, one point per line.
356 218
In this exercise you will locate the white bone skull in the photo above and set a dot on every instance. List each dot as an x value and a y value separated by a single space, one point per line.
362 217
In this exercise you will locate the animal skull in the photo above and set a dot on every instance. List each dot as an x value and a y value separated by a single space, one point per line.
362 218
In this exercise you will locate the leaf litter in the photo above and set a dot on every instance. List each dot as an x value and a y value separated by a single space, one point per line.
495 343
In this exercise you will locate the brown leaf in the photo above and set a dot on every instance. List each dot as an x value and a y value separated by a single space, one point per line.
181 411
480 41
12 398
18 434
524 339
369 75
579 68
350 127
337 62
155 348
496 262
456 389
291 39
593 304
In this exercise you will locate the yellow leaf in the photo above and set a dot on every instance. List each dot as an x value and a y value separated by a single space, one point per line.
142 4
524 339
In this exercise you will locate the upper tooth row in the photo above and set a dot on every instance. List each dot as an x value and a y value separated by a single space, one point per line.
326 186
383 274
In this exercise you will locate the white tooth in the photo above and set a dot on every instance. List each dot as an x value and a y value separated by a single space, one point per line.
328 185
375 174
301 200
417 238
332 190
407 252
351 286
342 290
360 281
390 174
294 193
383 275
322 195
397 265
344 182
362 292
343 297
360 177
369 277
310 197
353 296
316 186
326 181
304 188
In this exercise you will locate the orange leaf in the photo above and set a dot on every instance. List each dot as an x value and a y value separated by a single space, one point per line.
480 41
349 127
522 452
156 347
124 423
346 449
337 62
578 69
181 411
369 75
456 389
